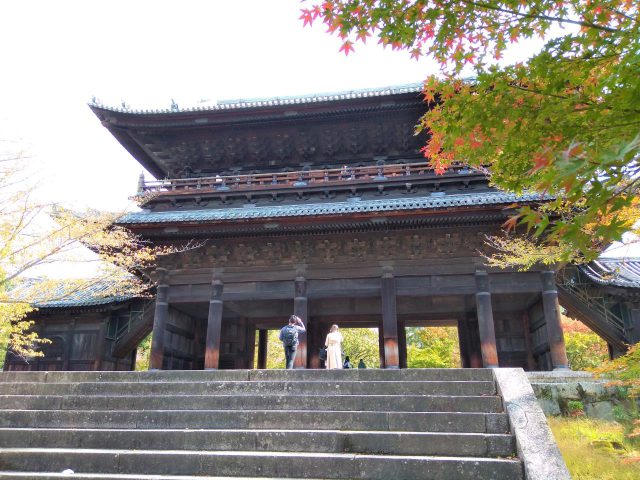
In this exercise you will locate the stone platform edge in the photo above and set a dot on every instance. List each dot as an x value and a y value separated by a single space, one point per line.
535 443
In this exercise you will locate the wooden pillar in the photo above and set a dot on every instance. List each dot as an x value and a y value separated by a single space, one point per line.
528 343
214 328
250 344
402 343
486 328
160 319
475 349
390 321
381 343
300 309
263 337
552 318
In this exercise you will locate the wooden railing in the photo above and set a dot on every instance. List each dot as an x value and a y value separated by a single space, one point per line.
297 179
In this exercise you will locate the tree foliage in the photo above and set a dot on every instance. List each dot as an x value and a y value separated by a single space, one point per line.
624 371
39 239
434 347
361 344
585 349
566 123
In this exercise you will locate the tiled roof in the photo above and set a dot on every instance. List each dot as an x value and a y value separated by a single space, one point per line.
274 101
89 294
330 208
618 272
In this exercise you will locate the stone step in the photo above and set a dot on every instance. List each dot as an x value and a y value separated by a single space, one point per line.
427 374
253 387
259 464
326 403
119 476
259 419
325 441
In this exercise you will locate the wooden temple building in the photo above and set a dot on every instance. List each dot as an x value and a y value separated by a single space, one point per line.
322 206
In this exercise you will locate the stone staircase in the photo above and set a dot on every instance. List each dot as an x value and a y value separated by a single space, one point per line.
350 424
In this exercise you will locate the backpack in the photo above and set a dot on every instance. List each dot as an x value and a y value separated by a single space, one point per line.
290 337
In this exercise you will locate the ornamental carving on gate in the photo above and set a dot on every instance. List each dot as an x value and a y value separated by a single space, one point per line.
336 250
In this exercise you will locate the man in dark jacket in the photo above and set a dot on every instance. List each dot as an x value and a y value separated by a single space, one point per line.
289 338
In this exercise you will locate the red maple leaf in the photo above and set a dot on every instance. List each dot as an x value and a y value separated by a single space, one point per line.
540 161
347 47
306 17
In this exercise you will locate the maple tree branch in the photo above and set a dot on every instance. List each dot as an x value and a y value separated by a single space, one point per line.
488 6
539 92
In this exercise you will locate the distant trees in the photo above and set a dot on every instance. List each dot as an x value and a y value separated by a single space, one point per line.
585 349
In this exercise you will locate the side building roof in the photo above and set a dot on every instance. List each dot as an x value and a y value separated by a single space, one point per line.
59 293
616 272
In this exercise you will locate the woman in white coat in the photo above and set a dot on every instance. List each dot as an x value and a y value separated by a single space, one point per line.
333 343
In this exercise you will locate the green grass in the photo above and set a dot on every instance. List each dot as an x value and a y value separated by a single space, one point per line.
596 450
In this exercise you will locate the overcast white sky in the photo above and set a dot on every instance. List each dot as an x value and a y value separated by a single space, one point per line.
56 55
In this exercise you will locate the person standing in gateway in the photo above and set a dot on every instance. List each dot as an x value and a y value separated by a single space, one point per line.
333 343
289 338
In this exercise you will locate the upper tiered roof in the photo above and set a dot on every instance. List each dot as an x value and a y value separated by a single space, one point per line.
352 128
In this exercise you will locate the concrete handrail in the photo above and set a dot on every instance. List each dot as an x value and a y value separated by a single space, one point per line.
535 444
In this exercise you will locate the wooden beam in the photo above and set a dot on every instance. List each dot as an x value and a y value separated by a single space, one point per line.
558 352
346 285
485 321
300 309
160 320
390 321
214 327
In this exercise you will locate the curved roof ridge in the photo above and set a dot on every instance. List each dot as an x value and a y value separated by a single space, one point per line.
620 272
235 104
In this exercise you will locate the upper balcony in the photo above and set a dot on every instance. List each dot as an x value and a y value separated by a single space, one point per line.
293 186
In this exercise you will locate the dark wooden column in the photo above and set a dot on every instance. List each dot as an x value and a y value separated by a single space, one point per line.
390 321
262 348
528 342
402 343
300 309
552 318
250 344
214 328
160 319
475 358
485 321
381 343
